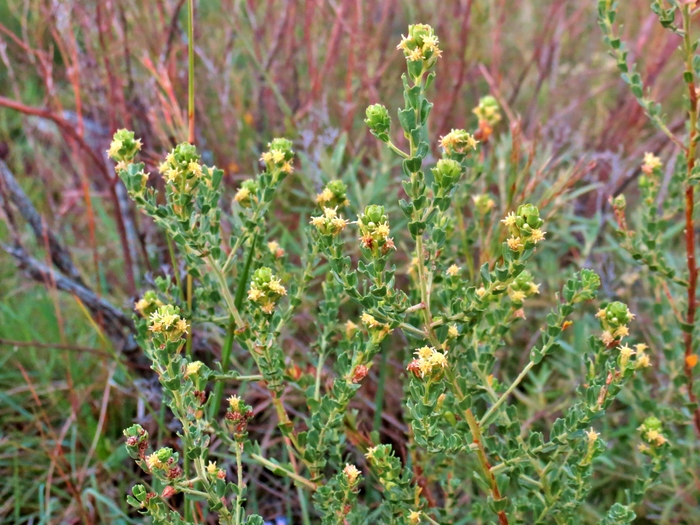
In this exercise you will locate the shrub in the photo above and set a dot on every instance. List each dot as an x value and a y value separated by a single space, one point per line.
452 311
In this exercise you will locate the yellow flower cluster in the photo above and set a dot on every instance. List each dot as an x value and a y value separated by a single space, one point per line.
181 167
427 361
524 226
330 223
275 249
334 195
378 331
279 156
215 471
351 473
458 142
651 433
420 44
614 319
374 230
642 360
167 323
161 459
265 289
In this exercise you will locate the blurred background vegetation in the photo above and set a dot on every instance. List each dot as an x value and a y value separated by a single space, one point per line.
74 71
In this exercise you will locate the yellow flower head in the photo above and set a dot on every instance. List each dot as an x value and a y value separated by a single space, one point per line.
515 243
369 320
453 270
325 196
452 331
193 367
651 162
537 235
414 517
351 473
592 435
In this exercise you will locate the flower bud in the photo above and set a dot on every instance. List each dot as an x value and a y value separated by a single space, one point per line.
378 121
334 195
148 304
279 156
247 194
488 110
123 147
524 227
522 287
136 441
619 202
447 172
265 289
374 231
420 48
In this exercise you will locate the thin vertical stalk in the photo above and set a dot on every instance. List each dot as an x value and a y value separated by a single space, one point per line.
689 208
483 459
190 139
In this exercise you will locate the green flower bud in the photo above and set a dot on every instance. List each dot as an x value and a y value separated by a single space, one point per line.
617 314
262 276
378 121
374 214
529 215
123 147
447 172
139 492
652 423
